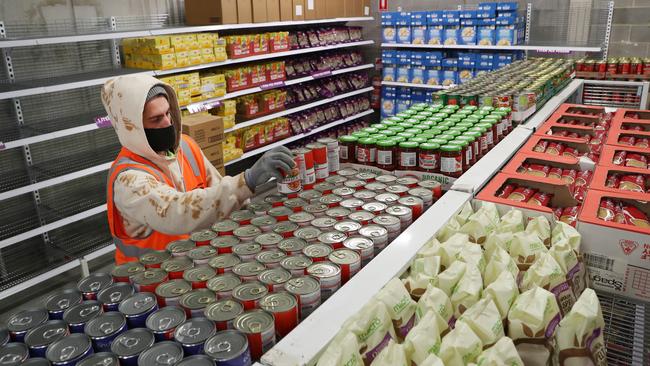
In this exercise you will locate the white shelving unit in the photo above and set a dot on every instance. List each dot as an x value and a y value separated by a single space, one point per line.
541 49
411 85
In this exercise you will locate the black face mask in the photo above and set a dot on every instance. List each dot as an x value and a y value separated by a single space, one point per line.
161 139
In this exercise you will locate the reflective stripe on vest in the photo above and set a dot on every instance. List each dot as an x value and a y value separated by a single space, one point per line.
132 251
187 151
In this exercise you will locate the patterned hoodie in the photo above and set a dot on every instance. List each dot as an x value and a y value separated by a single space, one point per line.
145 203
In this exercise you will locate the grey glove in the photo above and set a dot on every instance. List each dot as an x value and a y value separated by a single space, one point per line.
272 164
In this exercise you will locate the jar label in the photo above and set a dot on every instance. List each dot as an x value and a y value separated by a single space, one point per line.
428 161
408 159
343 152
363 155
468 155
333 160
451 164
373 154
476 147
309 177
499 129
385 157
490 141
322 171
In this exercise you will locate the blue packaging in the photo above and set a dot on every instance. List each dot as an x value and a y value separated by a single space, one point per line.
449 77
389 73
418 27
451 35
418 58
404 34
466 56
486 35
503 57
403 57
389 34
433 59
506 14
387 108
468 35
389 56
435 17
403 73
402 105
486 14
449 62
404 18
507 21
389 91
403 93
451 21
506 35
417 75
501 64
486 21
466 63
451 14
485 56
389 18
434 34
487 6
419 18
469 22
432 76
509 6
418 96
467 14
465 75
484 65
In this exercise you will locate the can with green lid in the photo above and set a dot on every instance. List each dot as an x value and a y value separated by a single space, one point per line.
429 157
386 154
451 160
366 151
476 143
407 155
436 119
508 115
487 108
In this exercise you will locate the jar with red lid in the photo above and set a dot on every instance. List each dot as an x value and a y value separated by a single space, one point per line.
366 151
347 149
466 151
407 155
386 152
451 160
429 157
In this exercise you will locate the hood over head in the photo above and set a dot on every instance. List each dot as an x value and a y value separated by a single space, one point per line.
124 98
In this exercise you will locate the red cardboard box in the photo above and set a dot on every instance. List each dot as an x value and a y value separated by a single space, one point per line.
632 114
603 173
575 120
633 156
568 108
628 138
593 136
582 148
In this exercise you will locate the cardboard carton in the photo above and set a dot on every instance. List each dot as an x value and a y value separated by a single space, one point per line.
616 134
625 113
244 11
205 129
335 9
298 9
310 10
273 10
603 172
214 154
571 119
609 152
578 144
286 10
259 11
200 12
568 108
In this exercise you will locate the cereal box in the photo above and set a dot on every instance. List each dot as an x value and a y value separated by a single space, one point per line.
451 34
465 75
506 35
432 76
486 35
417 75
402 73
418 27
468 35
389 27
434 34
449 77
389 72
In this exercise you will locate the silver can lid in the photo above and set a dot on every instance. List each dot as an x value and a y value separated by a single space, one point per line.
307 233
132 342
173 288
387 198
344 256
344 191
347 226
161 354
224 310
249 291
64 299
194 331
425 194
302 285
376 186
200 273
274 276
301 217
203 252
338 212
386 178
365 176
296 262
365 194
83 312
386 220
100 359
224 241
259 207
265 220
373 231
429 184
274 198
347 172
241 215
203 235
358 243
247 249
330 199
115 293
248 269
323 222
295 202
280 211
227 345
410 201
138 303
361 216
354 183
46 333
352 203
398 210
270 256
332 237
254 321
166 318
128 269
284 227
180 246
407 181
278 302
15 352
94 282
224 282
154 257
224 261
324 270
247 231
310 195
397 189
196 360
176 264
197 299
68 348
316 208
374 207
336 179
292 244
105 325
224 226
269 239
317 250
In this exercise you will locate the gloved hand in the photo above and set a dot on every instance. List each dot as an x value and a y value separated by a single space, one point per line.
272 164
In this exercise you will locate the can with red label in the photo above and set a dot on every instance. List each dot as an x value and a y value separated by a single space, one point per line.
338 213
328 275
154 258
353 204
179 248
310 196
521 194
224 244
296 265
284 308
258 326
274 279
324 188
280 213
223 285
264 223
225 227
333 163
331 200
124 272
362 217
269 240
302 219
347 172
202 255
90 285
309 234
223 263
410 182
363 246
317 252
195 301
203 237
416 205
223 313
386 179
169 293
306 290
320 160
432 185
164 321
249 294
295 204
344 192
248 271
348 260
424 194
148 280
292 246
247 233
333 239
397 189
270 258
404 213
541 199
376 208
247 251
336 180
378 234
290 185
367 177
388 199
275 200
569 176
285 228
305 160
242 217
376 187
317 209
176 266
348 227
199 276
391 223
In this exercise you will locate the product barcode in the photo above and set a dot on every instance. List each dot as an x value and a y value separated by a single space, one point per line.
599 261
409 159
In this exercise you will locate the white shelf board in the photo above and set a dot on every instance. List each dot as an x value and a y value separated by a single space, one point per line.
37 41
298 137
48 136
551 105
286 112
473 180
303 345
39 279
543 49
410 85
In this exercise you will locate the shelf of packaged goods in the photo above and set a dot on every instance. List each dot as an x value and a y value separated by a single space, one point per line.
81 80
541 49
287 112
543 113
304 344
211 103
410 85
298 137
39 41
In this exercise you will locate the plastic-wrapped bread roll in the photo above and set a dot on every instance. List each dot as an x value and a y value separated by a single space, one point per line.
481 223
430 248
423 339
472 254
497 240
373 327
449 229
501 353
432 360
392 355
511 222
571 264
540 227
400 306
448 279
562 230
503 291
465 213
460 346
579 337
525 249
485 320
451 248
547 274
468 290
499 262
532 321
437 302
423 272
343 350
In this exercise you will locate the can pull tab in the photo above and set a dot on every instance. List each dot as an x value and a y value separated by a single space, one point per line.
67 353
9 359
224 346
94 286
87 311
24 320
130 342
63 304
255 327
166 359
164 323
142 303
115 296
192 332
106 328
50 333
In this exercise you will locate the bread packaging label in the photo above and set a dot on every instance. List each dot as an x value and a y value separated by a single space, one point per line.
547 274
392 355
448 279
485 320
526 249
424 339
511 222
373 327
540 227
343 350
503 291
435 300
468 290
460 346
501 353
497 240
499 262
424 271
571 264
400 306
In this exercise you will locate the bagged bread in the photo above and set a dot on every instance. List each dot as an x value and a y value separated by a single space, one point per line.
436 301
460 346
540 227
450 228
562 230
497 240
547 274
392 355
464 213
423 339
499 262
531 324
485 320
373 327
424 271
430 248
472 254
503 291
481 223
525 249
571 264
400 306
511 222
343 350
468 290
452 247
579 336
501 353
432 360
448 278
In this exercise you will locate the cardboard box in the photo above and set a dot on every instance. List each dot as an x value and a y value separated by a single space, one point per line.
298 9
205 129
577 144
352 8
609 152
568 108
365 8
616 134
259 11
214 154
602 173
310 10
273 10
633 114
244 11
334 9
286 10
201 12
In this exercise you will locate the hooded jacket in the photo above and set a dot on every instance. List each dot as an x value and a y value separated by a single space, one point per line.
145 202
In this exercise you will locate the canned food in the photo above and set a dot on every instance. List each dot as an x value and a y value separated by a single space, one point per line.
347 227
69 350
223 313
247 252
323 223
224 244
363 246
336 180
328 275
4 336
148 280
93 283
223 285
223 263
225 227
258 326
259 208
163 322
39 338
193 333
332 153
338 213
290 185
248 271
124 272
202 237
247 234
316 209
274 278
195 301
292 246
378 234
301 219
249 294
270 258
202 255
295 204
268 240
410 182
77 316
16 353
264 223
405 215
154 258
308 234
415 204
432 185
324 188
284 308
348 260
163 353
331 200
385 179
296 265
275 200
310 195
317 252
306 289
199 276
176 266
396 189
388 199
242 217
196 360
137 308
344 192
363 195
376 187
367 177
362 217
375 208
424 194
104 329
179 248
57 303
333 239
128 345
347 172
228 347
355 184
112 296
280 213
101 358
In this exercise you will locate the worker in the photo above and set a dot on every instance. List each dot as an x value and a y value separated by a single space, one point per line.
161 187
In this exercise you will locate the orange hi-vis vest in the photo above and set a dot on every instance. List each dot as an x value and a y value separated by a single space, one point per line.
129 249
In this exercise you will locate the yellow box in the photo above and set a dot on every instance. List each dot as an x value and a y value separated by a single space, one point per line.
184 97
206 59
179 43
182 61
197 98
189 38
163 50
195 53
163 62
155 42
228 121
220 54
193 77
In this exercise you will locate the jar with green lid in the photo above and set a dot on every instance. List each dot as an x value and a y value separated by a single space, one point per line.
377 136
420 117
458 129
495 129
429 157
508 115
397 139
419 140
470 108
502 126
429 123
454 119
472 119
422 126
412 121
447 123
470 149
453 133
427 135
480 113
464 112
397 129
441 115
387 123
445 136
426 114
347 148
405 125
360 134
454 107
438 141
419 106
414 130
366 151
386 151
436 119
466 151
442 128
486 108
370 130
483 138
436 131
387 132
451 160
476 143
378 126
395 119
407 155
406 135
467 125
403 115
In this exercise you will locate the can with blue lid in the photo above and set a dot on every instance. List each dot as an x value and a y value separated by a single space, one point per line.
229 348
59 302
196 360
130 344
104 329
14 353
112 296
100 359
163 322
39 338
68 351
193 333
22 321
161 354
137 308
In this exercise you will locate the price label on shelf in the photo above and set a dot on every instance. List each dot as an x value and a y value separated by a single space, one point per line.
103 122
546 50
203 106
273 85
321 74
